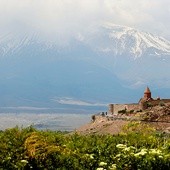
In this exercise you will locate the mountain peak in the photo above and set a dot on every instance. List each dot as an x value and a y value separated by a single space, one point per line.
135 42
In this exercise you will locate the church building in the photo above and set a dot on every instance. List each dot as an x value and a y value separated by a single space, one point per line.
144 103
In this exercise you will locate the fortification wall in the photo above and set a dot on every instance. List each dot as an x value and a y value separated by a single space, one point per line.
159 101
133 106
155 102
118 107
111 108
115 108
166 100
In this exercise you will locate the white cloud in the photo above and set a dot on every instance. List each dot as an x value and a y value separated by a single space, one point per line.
138 84
70 101
26 108
62 19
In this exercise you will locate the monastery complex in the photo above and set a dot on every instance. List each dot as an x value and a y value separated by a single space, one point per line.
144 103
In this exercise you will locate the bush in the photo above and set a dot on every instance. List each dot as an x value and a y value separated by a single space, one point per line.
161 103
122 111
137 147
131 111
139 111
149 104
93 117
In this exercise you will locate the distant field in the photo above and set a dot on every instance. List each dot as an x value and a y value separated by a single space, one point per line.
42 121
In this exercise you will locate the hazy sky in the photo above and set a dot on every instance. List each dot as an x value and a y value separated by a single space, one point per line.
67 18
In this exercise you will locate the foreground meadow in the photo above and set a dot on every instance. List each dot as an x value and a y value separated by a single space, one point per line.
138 146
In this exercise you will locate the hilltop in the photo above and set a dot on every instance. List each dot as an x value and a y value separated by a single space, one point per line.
155 112
157 117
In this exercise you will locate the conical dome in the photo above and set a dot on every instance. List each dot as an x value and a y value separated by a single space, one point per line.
147 90
147 93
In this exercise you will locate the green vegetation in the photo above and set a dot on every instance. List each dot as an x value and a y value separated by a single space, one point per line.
149 104
161 103
131 111
122 111
137 147
125 111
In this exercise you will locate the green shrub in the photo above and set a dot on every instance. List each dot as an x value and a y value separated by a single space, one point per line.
149 104
137 147
139 111
161 103
122 111
131 111
93 117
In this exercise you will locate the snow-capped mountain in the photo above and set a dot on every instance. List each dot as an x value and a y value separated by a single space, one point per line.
110 65
112 38
138 57
137 43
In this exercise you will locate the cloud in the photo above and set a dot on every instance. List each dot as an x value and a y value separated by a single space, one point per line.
26 108
138 84
64 19
70 101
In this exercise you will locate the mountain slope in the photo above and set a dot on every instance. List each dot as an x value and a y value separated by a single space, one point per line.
33 77
125 40
137 57
112 65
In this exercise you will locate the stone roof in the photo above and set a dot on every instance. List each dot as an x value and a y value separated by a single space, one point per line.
147 90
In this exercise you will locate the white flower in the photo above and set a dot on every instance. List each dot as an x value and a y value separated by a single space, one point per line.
127 149
92 156
155 151
141 153
121 146
24 161
160 157
102 164
118 155
132 147
99 169
113 167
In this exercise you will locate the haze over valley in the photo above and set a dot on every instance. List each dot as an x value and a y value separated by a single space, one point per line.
73 65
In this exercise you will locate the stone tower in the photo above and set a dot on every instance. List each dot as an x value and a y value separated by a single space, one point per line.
147 93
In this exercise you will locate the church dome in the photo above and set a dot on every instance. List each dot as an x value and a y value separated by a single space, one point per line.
147 93
147 90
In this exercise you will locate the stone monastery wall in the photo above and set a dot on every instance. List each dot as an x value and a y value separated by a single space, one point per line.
115 108
166 100
143 103
158 102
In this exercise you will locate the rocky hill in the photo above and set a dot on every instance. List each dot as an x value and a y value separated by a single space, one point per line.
157 117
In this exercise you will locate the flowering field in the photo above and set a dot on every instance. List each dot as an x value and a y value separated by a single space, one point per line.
137 147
